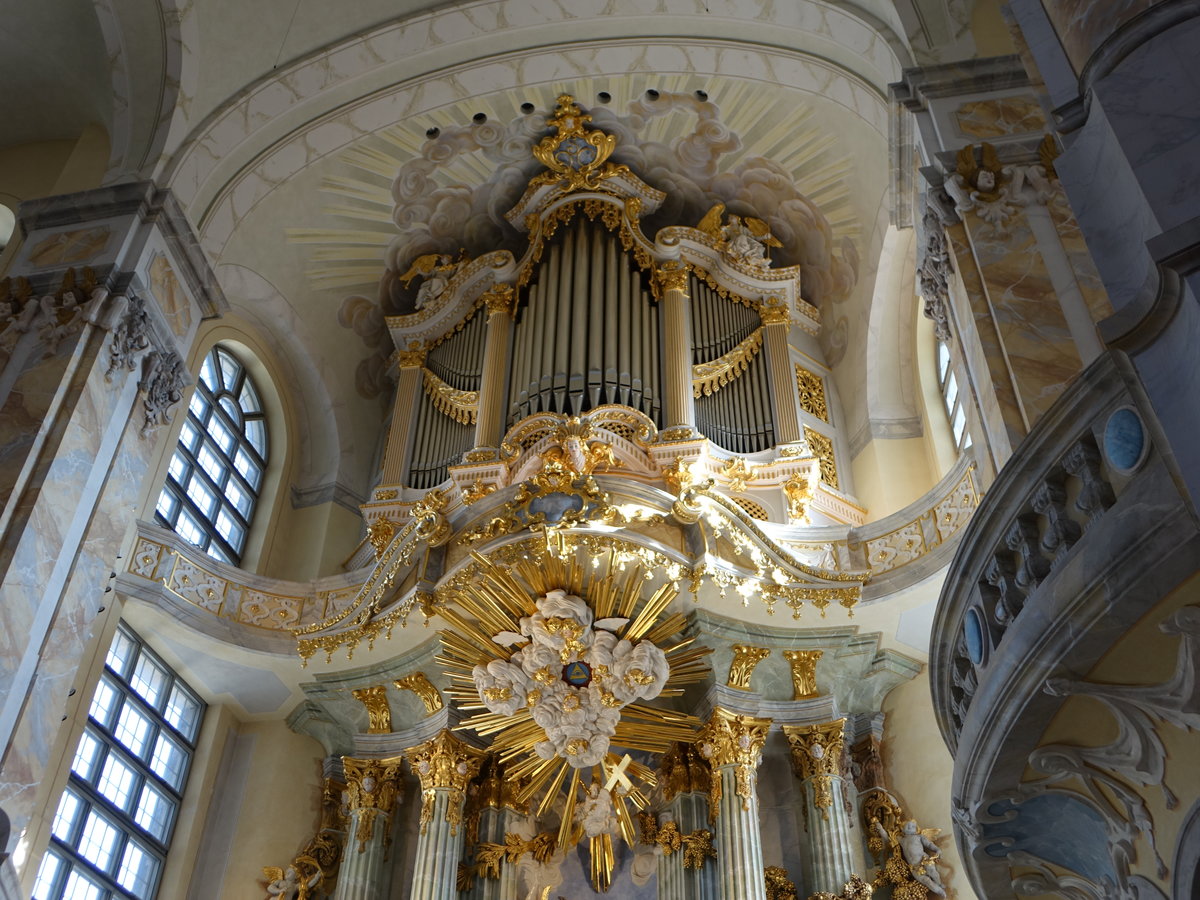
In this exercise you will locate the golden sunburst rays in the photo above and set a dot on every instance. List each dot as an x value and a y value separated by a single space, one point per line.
490 605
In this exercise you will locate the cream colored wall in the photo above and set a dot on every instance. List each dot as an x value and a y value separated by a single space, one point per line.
991 33
918 768
280 806
890 474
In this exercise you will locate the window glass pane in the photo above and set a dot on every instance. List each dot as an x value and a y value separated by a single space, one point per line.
257 434
67 815
167 504
188 529
208 373
168 761
46 876
133 729
86 755
943 360
98 843
231 408
951 391
241 500
960 424
211 463
138 870
104 702
183 712
149 679
198 406
248 398
80 887
154 811
229 369
248 468
117 780
215 551
201 494
189 436
120 654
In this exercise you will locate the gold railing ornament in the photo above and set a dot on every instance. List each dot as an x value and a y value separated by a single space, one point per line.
373 787
804 672
379 715
710 377
444 763
799 490
729 739
380 534
854 889
817 755
738 473
742 666
420 685
431 524
576 157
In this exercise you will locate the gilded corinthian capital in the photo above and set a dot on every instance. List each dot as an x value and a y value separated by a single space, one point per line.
729 739
741 667
444 763
372 788
672 276
804 672
817 754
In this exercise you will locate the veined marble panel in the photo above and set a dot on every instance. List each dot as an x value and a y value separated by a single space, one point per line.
1082 25
1086 276
1000 117
1037 345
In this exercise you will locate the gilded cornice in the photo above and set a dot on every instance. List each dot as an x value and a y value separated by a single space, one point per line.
742 666
804 672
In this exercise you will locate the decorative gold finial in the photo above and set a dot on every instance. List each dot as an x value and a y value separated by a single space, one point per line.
420 685
741 667
577 158
817 755
380 533
372 788
379 715
804 672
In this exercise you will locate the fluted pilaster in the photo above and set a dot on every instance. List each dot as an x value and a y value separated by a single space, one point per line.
817 752
408 393
686 869
373 787
776 323
445 765
489 420
732 744
679 407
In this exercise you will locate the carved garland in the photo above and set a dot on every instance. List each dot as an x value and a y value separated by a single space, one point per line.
461 406
710 377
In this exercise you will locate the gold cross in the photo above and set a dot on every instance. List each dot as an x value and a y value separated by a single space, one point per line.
618 775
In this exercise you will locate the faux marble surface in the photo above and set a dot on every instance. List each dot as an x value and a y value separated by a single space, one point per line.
1082 25
1000 117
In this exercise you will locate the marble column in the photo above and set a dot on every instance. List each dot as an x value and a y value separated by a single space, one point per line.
500 814
732 744
445 766
373 788
404 419
777 321
817 753
686 870
96 319
493 395
679 405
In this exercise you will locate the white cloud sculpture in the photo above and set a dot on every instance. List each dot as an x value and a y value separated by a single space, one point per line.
578 706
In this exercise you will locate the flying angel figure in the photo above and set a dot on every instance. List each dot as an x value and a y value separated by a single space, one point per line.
742 239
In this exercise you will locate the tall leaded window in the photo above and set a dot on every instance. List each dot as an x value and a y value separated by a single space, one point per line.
951 398
110 834
217 468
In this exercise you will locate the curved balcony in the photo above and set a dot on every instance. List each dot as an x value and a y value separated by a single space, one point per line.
1083 532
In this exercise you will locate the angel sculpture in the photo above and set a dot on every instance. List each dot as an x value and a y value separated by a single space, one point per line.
743 240
914 856
981 187
437 269
291 884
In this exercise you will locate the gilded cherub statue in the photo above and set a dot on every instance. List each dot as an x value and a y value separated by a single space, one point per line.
743 240
913 860
437 269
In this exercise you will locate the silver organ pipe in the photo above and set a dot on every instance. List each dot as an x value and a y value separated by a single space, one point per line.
588 328
737 416
440 441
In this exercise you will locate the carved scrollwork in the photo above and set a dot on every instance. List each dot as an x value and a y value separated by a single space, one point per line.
163 380
710 377
461 406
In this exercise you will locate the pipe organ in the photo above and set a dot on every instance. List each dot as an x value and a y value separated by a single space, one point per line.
689 329
587 331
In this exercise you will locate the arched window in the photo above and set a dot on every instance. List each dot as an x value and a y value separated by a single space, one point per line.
217 469
951 398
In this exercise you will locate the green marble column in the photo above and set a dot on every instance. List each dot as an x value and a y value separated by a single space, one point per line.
732 744
373 788
817 752
445 766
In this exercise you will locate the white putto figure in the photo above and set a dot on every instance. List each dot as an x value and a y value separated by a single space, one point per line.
575 675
